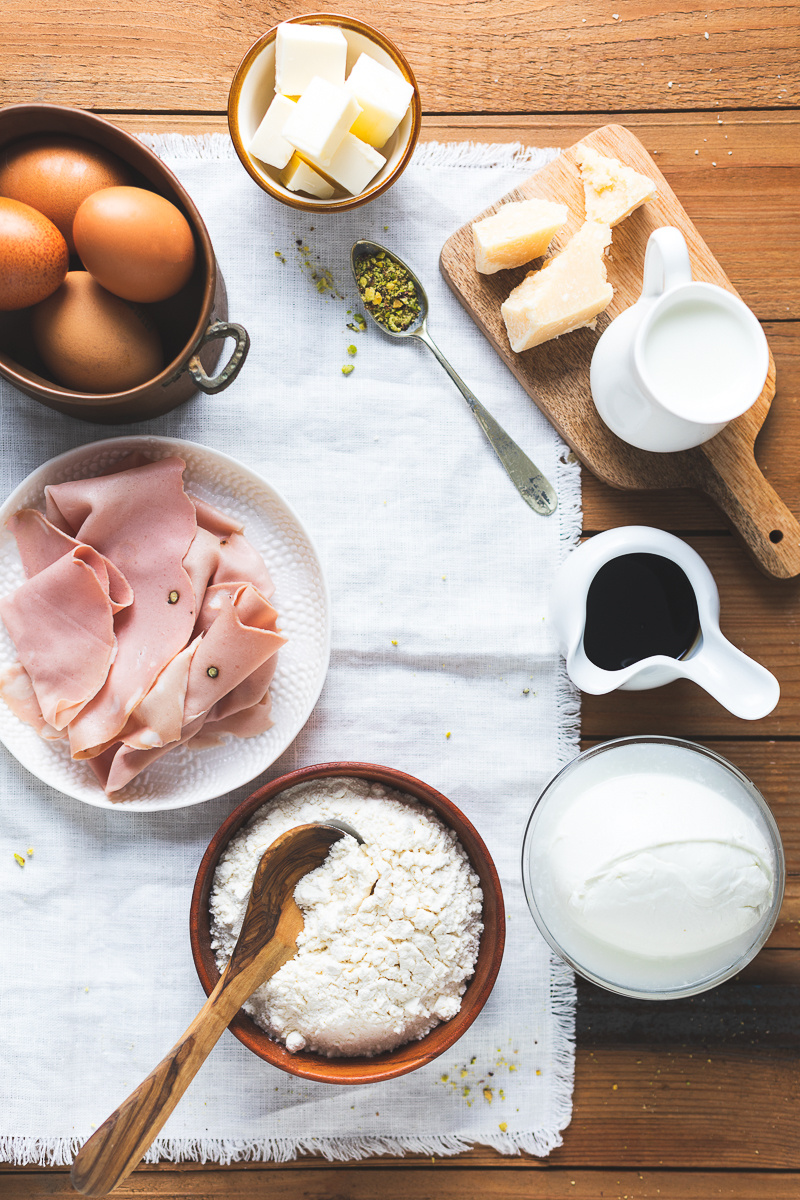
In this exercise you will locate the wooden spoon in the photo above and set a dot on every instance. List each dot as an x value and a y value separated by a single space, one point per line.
267 940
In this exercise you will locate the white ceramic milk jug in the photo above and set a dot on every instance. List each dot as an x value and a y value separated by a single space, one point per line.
741 685
671 371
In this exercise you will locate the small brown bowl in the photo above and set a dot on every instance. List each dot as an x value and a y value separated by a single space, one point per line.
413 1054
191 324
253 88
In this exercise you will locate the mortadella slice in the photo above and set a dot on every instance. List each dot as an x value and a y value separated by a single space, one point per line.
17 691
61 622
119 764
40 544
144 522
238 627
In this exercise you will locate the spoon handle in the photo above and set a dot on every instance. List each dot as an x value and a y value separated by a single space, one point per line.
535 489
113 1151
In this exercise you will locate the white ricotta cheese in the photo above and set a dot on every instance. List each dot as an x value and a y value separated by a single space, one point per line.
392 927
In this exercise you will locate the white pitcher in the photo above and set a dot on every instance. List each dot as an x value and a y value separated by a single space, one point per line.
741 685
688 357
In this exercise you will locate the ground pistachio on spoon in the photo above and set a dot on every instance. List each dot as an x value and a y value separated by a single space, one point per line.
388 292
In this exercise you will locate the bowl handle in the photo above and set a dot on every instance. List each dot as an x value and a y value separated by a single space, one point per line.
220 329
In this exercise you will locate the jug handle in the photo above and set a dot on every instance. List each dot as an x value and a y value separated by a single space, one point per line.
666 262
739 683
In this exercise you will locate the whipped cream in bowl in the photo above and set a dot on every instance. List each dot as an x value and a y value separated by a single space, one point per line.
653 866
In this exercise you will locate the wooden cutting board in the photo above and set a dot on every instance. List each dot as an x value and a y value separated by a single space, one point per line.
556 374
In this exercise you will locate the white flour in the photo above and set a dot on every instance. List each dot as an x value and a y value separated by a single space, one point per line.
391 927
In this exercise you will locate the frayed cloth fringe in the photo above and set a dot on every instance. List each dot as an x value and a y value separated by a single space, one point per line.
218 147
60 1152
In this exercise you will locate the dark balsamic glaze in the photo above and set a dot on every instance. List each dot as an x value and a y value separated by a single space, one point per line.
639 605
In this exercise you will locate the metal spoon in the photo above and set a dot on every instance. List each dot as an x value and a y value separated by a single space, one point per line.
267 940
535 489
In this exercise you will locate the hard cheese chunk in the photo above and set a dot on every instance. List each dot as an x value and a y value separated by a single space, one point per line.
568 293
612 190
321 118
353 165
519 232
298 176
303 51
268 143
384 98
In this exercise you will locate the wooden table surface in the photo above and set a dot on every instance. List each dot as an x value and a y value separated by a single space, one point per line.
692 1099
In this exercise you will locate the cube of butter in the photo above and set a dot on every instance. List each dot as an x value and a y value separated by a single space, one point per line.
568 293
321 118
612 191
268 143
353 165
303 51
519 232
298 176
384 97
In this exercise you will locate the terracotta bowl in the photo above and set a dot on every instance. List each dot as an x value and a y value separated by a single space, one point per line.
191 324
253 88
414 1054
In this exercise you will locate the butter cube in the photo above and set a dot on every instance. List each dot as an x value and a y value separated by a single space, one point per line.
384 98
321 118
298 176
568 293
268 143
612 190
353 165
519 232
304 51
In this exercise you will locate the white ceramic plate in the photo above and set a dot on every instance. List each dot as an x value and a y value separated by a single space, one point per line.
186 776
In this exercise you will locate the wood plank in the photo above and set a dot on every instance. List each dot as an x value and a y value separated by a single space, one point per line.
698 1107
764 160
444 1180
485 56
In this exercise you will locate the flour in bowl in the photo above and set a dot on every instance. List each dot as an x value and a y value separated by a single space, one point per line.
392 928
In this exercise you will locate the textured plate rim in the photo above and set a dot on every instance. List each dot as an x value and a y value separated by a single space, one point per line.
142 441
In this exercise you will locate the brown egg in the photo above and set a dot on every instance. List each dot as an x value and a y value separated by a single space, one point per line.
33 255
56 174
135 243
92 341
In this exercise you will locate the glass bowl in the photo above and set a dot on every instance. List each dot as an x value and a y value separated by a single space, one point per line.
643 888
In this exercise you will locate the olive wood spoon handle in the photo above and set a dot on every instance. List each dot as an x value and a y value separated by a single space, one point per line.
267 940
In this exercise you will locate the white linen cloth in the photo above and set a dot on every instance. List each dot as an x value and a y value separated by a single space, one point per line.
443 665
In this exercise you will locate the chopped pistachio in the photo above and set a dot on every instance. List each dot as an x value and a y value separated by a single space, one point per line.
352 351
212 672
20 859
358 323
30 851
348 369
173 597
388 292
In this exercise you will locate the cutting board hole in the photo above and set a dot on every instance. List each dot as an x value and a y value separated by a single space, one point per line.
776 535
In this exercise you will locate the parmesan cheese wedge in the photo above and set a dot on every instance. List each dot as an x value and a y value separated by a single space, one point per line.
612 191
567 293
516 234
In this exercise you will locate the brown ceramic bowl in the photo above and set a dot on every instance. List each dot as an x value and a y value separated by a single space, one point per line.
191 324
253 88
413 1054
